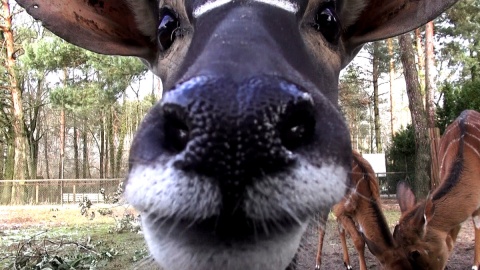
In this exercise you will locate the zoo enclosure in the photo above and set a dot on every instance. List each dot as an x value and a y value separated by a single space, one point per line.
57 191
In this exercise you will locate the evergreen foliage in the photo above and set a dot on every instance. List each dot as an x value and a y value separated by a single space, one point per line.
401 157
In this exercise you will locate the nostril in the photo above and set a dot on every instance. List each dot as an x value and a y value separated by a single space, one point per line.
297 125
176 130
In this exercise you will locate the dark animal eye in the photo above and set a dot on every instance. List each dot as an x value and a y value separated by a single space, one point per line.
166 29
326 22
414 255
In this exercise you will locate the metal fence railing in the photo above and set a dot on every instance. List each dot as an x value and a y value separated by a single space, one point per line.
59 191
56 191
388 181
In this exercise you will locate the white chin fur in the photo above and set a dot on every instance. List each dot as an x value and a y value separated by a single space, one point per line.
162 192
171 252
167 192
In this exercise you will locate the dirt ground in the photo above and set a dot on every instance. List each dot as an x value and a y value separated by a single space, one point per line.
462 257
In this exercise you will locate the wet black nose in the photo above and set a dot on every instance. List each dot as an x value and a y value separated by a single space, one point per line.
233 131
228 129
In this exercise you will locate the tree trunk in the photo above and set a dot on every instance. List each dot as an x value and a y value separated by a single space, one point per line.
2 159
376 113
75 148
392 78
354 132
421 182
121 139
20 140
111 142
85 150
7 188
45 150
430 90
372 129
62 144
102 146
421 57
10 160
33 136
62 130
430 86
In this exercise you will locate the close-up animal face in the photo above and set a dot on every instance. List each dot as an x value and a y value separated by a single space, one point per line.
237 157
247 143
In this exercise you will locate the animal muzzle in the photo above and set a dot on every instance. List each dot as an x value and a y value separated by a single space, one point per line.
234 132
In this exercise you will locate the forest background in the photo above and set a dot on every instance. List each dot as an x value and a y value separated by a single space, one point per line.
67 113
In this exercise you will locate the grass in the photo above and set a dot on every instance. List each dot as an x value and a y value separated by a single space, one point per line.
392 217
52 236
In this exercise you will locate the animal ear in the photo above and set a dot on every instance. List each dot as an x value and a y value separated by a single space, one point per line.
106 26
429 209
379 19
405 197
423 216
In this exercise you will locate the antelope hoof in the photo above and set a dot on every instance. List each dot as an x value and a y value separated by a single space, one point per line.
317 267
349 267
475 267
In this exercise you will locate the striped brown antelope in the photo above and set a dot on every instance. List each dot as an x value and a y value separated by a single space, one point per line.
427 230
359 214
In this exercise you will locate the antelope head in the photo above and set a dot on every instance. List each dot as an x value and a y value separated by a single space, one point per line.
425 249
247 143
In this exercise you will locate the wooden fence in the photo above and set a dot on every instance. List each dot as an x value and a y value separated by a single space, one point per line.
56 191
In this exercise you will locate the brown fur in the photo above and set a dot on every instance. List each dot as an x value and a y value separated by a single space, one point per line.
427 230
359 214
